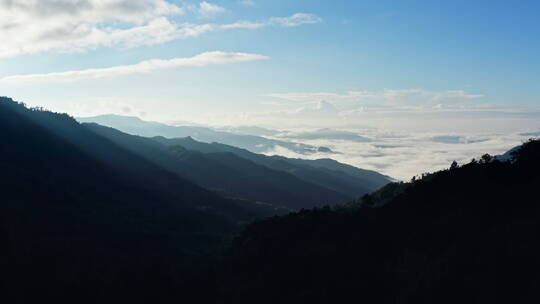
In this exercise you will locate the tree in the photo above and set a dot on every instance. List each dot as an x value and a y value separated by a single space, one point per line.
486 158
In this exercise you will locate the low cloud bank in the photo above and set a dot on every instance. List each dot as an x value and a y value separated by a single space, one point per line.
403 155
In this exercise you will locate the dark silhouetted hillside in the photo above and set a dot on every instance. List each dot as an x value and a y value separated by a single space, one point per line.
83 220
469 234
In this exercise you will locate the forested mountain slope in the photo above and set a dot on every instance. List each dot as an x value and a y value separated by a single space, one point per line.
82 218
328 173
229 174
466 234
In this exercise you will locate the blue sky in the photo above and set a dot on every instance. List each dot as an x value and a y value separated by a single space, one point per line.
274 56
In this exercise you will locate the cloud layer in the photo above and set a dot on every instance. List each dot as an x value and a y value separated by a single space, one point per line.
402 155
204 59
35 26
394 98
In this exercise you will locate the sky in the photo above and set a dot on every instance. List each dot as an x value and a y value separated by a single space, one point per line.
441 67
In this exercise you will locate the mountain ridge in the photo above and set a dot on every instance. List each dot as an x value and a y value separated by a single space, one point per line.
228 172
136 126
354 181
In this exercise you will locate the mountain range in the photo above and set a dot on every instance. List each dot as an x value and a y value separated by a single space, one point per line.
328 173
286 184
253 143
90 214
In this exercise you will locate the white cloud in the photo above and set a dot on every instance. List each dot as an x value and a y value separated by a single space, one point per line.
242 25
34 26
89 11
204 59
424 97
209 10
296 20
320 110
390 99
65 26
311 97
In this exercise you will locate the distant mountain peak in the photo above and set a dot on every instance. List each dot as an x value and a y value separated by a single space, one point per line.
127 117
137 126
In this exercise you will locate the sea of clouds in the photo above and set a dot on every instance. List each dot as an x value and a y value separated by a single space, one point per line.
406 140
402 155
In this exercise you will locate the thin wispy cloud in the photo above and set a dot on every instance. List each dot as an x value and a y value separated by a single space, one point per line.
317 96
37 26
209 10
388 98
296 20
201 60
291 21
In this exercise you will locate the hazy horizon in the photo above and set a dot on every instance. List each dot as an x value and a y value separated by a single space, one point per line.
400 154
